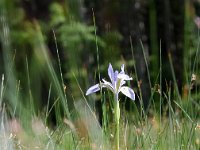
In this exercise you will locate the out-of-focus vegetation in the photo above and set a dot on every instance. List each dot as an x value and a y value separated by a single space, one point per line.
51 51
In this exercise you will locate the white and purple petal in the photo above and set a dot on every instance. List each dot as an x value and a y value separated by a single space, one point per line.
124 77
93 89
128 92
122 83
115 75
110 72
116 84
122 69
108 85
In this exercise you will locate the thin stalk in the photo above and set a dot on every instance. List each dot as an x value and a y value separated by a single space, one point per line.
29 88
136 76
117 117
196 55
133 57
105 120
96 42
146 63
160 83
148 73
59 63
97 51
49 95
174 77
2 89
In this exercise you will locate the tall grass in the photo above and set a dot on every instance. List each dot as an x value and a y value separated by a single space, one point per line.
169 126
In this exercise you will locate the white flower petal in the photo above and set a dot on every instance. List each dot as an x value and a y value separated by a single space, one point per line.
93 89
108 85
122 69
128 92
122 83
124 76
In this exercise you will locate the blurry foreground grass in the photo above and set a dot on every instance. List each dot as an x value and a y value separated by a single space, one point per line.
85 133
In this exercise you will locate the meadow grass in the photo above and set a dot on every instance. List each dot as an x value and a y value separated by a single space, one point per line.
172 121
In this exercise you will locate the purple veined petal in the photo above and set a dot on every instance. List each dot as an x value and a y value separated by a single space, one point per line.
115 80
108 85
116 73
128 92
93 89
124 77
110 72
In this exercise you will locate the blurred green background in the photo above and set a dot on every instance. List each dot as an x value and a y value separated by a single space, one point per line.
157 41
52 51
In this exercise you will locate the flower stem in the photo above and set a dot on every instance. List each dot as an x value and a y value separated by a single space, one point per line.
117 117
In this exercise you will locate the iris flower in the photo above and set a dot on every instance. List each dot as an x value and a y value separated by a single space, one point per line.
118 79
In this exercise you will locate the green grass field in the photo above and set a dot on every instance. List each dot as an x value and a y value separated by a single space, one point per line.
171 121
